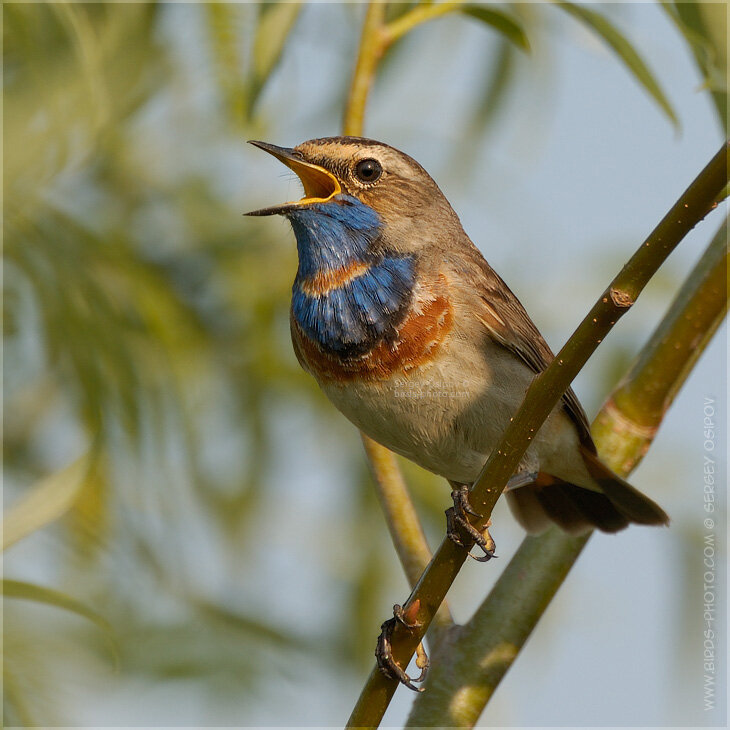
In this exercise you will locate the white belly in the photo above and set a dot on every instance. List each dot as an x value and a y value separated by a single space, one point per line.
447 415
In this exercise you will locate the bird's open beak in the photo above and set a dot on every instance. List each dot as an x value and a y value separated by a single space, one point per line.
320 185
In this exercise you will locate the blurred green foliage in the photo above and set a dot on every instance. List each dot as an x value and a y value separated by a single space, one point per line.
119 346
145 332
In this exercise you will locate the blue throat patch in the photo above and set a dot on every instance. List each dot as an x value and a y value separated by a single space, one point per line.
351 319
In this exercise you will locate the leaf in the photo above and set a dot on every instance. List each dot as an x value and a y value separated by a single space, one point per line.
47 500
624 50
704 28
502 22
224 21
40 594
16 699
254 627
497 86
275 22
51 597
86 46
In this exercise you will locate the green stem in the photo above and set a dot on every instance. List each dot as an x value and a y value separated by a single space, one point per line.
400 514
542 396
376 38
481 651
371 49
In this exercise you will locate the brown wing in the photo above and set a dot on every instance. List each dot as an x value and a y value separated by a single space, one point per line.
510 325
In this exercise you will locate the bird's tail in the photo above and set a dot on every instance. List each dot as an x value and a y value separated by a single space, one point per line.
576 509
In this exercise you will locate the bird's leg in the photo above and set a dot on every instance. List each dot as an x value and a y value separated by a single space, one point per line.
457 523
384 655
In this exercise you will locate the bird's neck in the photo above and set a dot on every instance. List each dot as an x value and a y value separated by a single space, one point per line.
348 294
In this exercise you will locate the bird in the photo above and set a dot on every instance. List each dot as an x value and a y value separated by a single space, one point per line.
418 342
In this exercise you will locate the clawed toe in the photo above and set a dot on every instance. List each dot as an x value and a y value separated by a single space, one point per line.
458 526
452 529
487 545
384 655
460 497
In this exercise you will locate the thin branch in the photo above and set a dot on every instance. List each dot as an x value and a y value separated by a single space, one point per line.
541 397
486 647
371 49
400 514
377 36
480 652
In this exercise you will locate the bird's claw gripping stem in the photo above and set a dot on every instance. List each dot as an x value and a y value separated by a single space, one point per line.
457 523
384 656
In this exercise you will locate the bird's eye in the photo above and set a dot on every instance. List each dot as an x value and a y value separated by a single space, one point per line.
368 171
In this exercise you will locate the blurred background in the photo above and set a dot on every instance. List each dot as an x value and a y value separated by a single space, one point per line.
184 485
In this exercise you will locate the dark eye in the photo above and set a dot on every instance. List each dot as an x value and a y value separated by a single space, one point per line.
368 171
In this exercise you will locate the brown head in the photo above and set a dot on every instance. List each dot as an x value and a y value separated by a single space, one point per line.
410 204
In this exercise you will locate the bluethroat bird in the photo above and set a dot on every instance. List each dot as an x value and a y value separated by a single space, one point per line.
418 342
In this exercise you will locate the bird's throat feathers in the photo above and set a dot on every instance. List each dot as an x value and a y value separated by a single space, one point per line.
349 293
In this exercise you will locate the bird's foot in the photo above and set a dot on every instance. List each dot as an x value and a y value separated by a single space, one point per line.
384 656
458 525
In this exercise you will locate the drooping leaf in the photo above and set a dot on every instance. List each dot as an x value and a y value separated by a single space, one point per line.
41 594
16 700
276 21
90 57
502 22
223 21
48 500
495 90
624 49
704 28
261 629
59 69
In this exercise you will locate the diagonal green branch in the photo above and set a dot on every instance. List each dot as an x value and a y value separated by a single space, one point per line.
541 398
484 649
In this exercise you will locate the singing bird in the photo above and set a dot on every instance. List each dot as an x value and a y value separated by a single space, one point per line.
418 342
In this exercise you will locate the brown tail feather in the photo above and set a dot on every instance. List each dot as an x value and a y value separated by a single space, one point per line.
629 501
598 509
561 509
527 510
574 509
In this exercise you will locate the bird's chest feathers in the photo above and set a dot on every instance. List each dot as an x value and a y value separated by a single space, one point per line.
354 313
